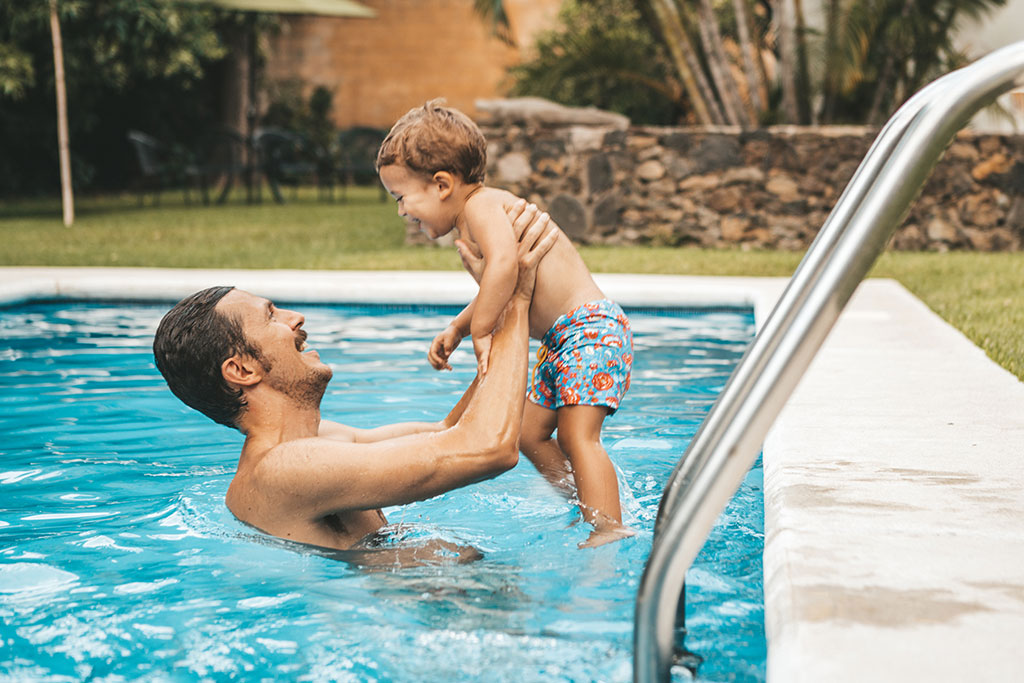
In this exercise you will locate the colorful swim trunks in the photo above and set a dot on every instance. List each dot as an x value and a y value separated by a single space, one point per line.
584 359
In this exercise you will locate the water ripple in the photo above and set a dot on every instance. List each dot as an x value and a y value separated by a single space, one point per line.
119 559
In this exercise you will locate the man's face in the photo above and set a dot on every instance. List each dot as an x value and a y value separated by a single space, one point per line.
288 365
418 199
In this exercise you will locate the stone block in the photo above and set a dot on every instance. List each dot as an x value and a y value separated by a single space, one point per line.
699 183
599 174
980 240
743 174
606 212
538 111
941 230
733 227
679 167
641 141
651 170
783 187
997 163
514 167
586 138
717 152
550 166
570 216
725 199
962 150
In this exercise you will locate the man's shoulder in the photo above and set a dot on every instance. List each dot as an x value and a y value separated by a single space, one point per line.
296 455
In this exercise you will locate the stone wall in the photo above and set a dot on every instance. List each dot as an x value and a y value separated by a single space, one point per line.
612 183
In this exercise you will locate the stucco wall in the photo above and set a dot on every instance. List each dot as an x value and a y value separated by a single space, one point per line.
414 50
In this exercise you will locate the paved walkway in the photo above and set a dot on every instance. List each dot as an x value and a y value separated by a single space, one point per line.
894 477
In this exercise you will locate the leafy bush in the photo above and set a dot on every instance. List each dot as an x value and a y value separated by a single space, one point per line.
604 56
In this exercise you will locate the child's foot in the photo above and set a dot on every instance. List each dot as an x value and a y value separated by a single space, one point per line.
605 535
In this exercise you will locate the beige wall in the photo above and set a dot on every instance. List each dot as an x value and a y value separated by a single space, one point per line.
1001 27
414 50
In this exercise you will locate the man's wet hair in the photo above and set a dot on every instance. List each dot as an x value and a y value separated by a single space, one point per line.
191 342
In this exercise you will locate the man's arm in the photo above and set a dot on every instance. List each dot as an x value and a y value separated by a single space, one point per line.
340 432
318 476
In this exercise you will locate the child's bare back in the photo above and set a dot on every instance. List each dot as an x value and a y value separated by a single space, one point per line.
563 280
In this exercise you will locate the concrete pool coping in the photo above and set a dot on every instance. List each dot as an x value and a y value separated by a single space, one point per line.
894 477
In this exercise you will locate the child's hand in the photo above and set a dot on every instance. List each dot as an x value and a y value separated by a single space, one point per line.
482 347
442 346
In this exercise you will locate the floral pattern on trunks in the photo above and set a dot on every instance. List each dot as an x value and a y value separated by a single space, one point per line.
585 358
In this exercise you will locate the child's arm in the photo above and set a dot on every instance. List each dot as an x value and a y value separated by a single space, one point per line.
489 226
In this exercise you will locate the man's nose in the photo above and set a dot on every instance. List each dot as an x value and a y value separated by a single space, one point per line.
294 318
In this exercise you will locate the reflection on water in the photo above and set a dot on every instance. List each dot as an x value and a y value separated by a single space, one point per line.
118 558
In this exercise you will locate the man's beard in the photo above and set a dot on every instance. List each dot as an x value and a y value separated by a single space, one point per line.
305 391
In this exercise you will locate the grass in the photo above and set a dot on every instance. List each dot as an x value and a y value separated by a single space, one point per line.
975 292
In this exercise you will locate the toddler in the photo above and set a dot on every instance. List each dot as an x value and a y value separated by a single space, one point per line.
433 163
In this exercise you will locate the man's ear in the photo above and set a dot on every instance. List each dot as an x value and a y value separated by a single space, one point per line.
242 371
445 183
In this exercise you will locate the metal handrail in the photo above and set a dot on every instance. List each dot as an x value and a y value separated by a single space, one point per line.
856 232
782 315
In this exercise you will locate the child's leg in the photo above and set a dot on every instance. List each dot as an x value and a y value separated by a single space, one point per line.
579 437
536 444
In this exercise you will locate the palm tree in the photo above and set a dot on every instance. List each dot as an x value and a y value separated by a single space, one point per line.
887 49
785 11
875 53
719 66
750 53
670 26
494 12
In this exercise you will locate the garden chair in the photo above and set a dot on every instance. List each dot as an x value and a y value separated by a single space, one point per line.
289 158
162 165
155 170
218 161
357 156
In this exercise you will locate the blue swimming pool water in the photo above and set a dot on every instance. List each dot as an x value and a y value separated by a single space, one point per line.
119 561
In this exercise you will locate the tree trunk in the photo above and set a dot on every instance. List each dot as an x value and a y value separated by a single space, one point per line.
718 62
886 74
63 143
234 79
830 80
785 16
803 74
751 59
685 60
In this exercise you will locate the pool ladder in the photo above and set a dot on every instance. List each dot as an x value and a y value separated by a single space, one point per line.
871 207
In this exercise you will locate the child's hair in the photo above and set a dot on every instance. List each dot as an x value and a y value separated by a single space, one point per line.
436 138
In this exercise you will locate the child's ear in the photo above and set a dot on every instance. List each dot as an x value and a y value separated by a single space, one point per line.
445 182
241 371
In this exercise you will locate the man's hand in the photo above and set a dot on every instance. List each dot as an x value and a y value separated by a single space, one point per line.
537 236
522 214
442 346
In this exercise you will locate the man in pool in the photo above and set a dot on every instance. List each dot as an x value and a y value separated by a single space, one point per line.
243 362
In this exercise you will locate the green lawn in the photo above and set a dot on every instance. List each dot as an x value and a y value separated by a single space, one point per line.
978 293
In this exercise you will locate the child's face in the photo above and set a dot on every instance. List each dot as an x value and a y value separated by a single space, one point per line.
420 199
